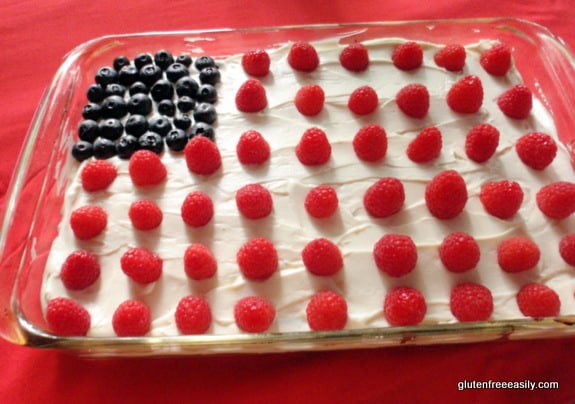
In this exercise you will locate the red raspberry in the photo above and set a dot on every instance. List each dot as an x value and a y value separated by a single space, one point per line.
254 201
132 318
199 263
466 95
384 198
517 254
80 270
446 195
404 306
496 60
370 143
354 57
252 148
145 215
322 257
256 62
257 259
426 146
251 96
451 57
501 199
141 265
471 302
413 100
459 252
309 100
557 200
146 168
197 209
395 254
193 315
67 317
363 100
202 156
537 300
407 56
536 150
321 202
481 142
303 57
567 249
326 311
88 221
98 175
313 148
516 102
254 314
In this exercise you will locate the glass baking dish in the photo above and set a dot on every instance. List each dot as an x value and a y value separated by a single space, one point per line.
33 207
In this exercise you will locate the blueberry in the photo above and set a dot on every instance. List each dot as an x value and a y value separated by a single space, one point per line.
149 74
163 59
95 93
126 146
142 59
151 141
138 88
128 75
204 61
92 111
110 128
82 150
210 75
106 75
140 104
205 112
202 129
162 90
184 59
120 61
104 148
176 71
182 122
160 125
207 93
176 140
113 107
136 125
166 107
187 86
185 103
115 89
88 130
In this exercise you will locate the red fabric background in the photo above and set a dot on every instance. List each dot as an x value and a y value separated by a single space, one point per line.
35 36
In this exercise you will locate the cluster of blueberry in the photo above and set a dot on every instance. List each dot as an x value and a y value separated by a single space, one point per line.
147 103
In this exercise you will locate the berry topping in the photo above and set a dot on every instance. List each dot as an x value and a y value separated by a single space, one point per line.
466 95
210 75
322 257
517 254
384 198
95 93
313 148
132 318
557 200
471 302
537 300
202 129
254 201
446 195
459 252
67 317
106 75
197 209
128 75
113 106
162 90
254 314
395 254
326 311
451 57
496 60
354 57
536 150
88 130
104 148
141 265
163 58
251 96
426 146
303 57
501 199
413 100
145 215
92 111
80 270
184 59
407 56
208 93
160 125
120 61
199 262
146 168
88 221
176 71
370 143
140 104
176 139
126 145
136 125
309 100
404 306
98 175
193 315
256 62
202 156
567 249
187 86
321 202
149 74
516 102
481 142
142 59
252 148
205 112
82 150
110 129
257 259
363 100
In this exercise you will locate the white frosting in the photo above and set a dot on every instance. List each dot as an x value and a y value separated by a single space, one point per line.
352 229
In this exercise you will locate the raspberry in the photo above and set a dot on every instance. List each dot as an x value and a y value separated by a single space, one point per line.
80 270
256 62
446 195
501 199
98 175
193 315
370 143
557 200
303 57
88 221
384 198
395 254
257 259
567 249
254 314
309 100
202 156
145 215
536 150
322 257
146 168
321 202
141 265
354 57
517 254
326 311
459 252
363 100
199 263
251 96
516 102
254 201
471 302
67 317
466 95
496 60
481 142
426 146
404 306
413 100
132 318
407 56
537 300
252 148
451 57
197 209
313 148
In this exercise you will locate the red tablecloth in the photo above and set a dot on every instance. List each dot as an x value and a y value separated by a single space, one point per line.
35 36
